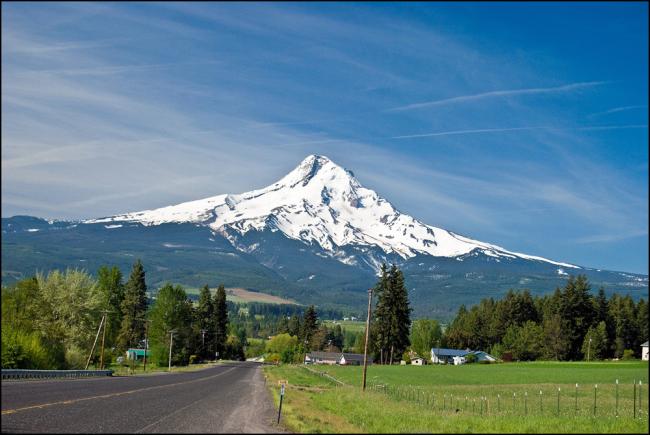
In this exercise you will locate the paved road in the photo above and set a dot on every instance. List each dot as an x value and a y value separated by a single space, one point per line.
227 398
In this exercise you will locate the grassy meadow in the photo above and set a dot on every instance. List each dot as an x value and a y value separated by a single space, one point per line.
348 325
495 398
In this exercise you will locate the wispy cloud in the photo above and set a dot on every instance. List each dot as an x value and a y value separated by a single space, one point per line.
617 109
475 131
501 130
610 237
492 94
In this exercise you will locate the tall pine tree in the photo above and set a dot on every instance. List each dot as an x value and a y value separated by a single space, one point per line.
309 326
220 321
205 322
400 314
380 330
392 320
134 308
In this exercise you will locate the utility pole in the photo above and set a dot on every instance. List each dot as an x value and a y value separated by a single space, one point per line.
101 355
171 341
203 331
365 349
146 344
95 342
588 349
146 341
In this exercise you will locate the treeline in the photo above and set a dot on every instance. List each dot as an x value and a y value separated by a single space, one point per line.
570 324
261 320
50 321
298 335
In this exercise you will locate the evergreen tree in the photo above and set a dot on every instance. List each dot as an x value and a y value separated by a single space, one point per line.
597 348
380 330
556 343
205 322
294 326
283 325
601 305
525 342
220 321
401 314
392 321
309 328
642 320
134 308
456 335
578 309
337 337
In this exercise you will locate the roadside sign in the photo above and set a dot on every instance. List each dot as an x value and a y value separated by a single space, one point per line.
282 390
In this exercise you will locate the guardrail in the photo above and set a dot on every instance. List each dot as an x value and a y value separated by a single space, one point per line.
39 374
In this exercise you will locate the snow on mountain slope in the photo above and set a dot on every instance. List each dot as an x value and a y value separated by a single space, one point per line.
321 203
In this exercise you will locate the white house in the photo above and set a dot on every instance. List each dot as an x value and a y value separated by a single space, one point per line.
340 358
644 351
458 360
457 356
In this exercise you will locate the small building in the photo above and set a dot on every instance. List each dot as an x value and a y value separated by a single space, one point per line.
644 351
136 354
459 360
330 358
340 358
418 361
353 359
457 356
446 356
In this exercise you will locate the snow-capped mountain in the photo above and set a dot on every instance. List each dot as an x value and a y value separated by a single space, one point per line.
315 236
321 203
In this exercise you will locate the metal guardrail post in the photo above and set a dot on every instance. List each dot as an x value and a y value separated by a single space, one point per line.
37 374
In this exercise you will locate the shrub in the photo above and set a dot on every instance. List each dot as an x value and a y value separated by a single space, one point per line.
75 358
471 358
23 350
273 358
287 356
194 359
628 354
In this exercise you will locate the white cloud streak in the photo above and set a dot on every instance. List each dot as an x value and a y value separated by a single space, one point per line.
492 94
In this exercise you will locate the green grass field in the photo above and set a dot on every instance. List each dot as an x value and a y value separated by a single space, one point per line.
496 398
348 325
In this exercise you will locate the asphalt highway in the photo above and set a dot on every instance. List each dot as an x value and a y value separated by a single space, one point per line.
226 398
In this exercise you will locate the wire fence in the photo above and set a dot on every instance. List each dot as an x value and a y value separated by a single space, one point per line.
624 400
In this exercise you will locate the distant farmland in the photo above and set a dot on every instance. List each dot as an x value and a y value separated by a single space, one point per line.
236 294
243 295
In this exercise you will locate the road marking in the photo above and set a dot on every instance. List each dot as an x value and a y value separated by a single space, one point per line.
105 396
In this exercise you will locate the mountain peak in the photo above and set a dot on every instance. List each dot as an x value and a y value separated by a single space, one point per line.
310 166
319 202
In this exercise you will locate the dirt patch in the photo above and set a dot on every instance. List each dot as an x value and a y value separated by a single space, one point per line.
250 296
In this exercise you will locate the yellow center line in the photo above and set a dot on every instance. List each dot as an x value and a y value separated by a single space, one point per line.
104 396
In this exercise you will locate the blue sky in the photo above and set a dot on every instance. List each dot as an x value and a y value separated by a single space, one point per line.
523 125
